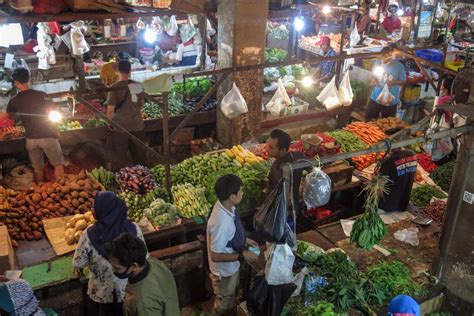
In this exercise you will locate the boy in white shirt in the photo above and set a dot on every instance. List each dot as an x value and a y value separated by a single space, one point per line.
225 242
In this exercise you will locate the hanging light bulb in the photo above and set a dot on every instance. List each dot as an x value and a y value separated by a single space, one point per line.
299 24
55 116
307 81
150 35
326 9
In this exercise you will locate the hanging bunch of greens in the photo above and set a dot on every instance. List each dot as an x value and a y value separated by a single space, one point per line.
369 229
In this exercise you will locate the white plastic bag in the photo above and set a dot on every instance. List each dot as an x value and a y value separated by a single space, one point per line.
385 97
345 90
233 104
279 267
329 96
317 188
408 235
354 37
279 101
172 28
78 42
299 280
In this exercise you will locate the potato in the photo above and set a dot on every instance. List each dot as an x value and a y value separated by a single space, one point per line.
77 235
80 224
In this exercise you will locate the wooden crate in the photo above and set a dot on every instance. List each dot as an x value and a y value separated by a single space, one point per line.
55 229
7 254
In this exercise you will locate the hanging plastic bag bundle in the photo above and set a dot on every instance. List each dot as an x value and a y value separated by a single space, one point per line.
345 90
317 188
329 96
233 104
171 27
270 219
354 38
385 97
279 101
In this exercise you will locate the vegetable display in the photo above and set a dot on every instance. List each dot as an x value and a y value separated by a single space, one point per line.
424 160
136 178
190 201
389 123
278 31
443 175
348 141
362 162
161 214
136 204
26 211
11 132
275 55
369 229
308 251
69 126
77 225
422 195
193 87
242 155
368 133
435 211
95 122
105 177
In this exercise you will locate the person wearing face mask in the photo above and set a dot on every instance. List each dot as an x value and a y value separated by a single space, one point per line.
394 75
151 288
105 291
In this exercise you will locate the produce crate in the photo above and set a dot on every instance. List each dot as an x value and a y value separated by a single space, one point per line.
432 55
411 93
339 172
205 145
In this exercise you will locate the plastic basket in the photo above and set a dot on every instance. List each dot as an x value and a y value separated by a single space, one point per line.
455 65
433 55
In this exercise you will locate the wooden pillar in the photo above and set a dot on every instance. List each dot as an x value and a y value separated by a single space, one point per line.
241 42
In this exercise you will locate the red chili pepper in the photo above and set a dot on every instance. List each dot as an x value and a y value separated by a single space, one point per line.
426 163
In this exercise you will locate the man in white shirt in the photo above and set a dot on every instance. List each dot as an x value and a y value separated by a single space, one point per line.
225 242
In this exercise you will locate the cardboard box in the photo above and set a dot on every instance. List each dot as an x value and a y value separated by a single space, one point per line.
7 254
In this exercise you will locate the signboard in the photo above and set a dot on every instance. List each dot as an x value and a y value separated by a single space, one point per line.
426 22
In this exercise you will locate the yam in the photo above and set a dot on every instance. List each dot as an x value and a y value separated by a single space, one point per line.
88 187
75 203
65 189
84 194
75 194
35 198
80 224
44 195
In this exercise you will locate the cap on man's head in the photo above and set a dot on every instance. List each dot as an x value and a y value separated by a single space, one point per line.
403 305
324 40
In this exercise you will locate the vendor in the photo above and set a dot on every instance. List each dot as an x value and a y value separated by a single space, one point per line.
151 288
394 75
123 109
400 168
278 148
226 239
326 68
41 134
188 50
392 23
105 292
363 21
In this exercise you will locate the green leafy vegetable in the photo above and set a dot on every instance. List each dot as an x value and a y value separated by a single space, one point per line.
275 55
193 87
443 175
422 195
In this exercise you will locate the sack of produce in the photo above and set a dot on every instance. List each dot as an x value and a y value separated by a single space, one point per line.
317 188
279 101
270 219
279 264
385 97
329 96
19 179
345 90
233 104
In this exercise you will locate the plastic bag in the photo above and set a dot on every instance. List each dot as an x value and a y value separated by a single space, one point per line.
78 42
317 188
385 97
408 235
279 264
19 179
265 299
345 90
279 101
354 37
329 96
172 28
299 280
233 104
270 219
439 148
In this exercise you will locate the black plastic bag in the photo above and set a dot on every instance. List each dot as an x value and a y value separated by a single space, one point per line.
268 300
270 219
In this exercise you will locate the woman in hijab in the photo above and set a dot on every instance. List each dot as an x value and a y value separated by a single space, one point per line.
105 291
17 298
403 305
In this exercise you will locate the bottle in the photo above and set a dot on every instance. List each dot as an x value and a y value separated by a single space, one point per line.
310 284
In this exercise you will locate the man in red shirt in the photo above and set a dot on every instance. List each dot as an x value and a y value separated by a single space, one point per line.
392 23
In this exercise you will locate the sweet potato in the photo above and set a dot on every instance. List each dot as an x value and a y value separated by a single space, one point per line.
37 235
44 195
75 203
35 198
82 175
75 194
65 189
84 194
28 236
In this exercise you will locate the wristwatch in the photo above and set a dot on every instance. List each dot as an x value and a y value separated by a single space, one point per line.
241 257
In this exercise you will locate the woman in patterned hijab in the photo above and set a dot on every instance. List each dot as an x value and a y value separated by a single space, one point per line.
17 298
